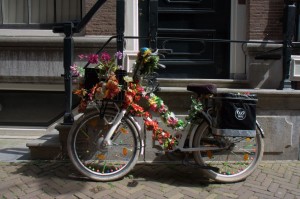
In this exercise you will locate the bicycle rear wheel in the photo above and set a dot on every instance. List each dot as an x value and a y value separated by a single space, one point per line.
96 159
236 159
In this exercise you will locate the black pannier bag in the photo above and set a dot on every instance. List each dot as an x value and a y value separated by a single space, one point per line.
235 115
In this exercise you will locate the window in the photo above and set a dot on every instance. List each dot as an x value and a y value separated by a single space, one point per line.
38 13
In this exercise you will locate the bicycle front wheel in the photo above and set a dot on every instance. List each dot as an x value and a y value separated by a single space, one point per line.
234 158
97 159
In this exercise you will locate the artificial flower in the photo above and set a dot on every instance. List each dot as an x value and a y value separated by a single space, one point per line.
93 59
105 57
119 55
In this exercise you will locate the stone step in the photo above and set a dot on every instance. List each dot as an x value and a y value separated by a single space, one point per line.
46 147
274 116
221 83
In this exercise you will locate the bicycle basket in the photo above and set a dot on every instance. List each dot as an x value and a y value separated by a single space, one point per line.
120 74
91 77
235 115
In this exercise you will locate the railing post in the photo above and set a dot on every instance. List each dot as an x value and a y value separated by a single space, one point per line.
120 27
288 33
69 29
153 23
68 61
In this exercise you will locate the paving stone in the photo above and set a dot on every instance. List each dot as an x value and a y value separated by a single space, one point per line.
273 187
280 193
154 195
263 196
137 194
81 195
295 180
267 182
289 196
51 180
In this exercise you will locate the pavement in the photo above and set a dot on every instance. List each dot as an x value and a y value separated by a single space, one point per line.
21 177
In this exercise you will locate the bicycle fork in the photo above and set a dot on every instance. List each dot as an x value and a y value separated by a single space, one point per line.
115 122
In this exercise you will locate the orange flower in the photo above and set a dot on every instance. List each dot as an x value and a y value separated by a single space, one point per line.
80 92
128 99
111 84
82 106
137 108
151 125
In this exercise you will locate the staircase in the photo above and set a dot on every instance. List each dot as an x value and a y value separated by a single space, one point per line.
278 112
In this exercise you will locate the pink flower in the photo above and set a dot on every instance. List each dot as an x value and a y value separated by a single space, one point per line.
153 107
74 70
105 56
93 59
162 109
172 121
81 56
147 97
90 95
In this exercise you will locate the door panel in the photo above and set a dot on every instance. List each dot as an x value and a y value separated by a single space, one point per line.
188 28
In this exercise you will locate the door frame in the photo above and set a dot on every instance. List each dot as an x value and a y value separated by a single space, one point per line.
238 31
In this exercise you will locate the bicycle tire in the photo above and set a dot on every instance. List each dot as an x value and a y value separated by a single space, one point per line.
235 163
95 160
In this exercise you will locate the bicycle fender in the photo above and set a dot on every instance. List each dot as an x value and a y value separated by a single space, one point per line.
139 130
194 128
261 131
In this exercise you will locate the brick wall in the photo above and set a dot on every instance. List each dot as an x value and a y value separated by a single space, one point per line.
265 19
104 21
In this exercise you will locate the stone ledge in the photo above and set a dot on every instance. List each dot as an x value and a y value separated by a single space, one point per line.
54 41
240 90
224 83
260 47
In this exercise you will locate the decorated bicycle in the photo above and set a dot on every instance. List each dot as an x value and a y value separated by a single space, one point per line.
105 143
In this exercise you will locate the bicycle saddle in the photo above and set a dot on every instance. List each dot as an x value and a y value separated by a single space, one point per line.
202 88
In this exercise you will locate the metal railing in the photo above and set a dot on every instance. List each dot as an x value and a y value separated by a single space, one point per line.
70 28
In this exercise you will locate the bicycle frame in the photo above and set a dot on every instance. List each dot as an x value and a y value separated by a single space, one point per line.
192 128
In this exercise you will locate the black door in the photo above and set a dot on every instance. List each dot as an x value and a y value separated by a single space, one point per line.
189 28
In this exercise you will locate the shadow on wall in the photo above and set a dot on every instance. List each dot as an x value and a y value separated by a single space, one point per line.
274 27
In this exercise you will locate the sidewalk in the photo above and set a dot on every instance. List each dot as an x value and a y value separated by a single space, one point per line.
22 178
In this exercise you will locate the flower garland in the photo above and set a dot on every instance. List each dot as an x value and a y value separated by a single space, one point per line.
145 64
133 95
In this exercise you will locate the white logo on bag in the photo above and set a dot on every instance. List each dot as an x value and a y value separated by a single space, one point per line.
240 114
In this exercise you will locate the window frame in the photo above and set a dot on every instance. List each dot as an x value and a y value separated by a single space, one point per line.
30 25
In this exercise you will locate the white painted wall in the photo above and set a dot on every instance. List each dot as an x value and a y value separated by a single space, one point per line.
238 32
131 29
